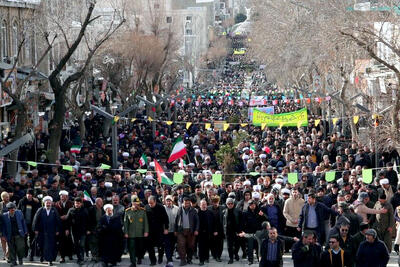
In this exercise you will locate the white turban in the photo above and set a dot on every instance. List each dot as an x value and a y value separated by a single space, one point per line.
47 198
108 206
63 193
384 181
108 184
255 195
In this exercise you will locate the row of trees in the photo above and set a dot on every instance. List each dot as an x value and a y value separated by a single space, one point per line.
300 40
136 52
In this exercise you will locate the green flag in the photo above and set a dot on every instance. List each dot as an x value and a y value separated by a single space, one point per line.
254 173
178 178
292 178
67 168
367 176
217 179
141 171
32 163
105 166
330 176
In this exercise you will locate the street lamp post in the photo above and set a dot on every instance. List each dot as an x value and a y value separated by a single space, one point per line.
114 130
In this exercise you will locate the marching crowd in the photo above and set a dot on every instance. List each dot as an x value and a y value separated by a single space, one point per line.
89 213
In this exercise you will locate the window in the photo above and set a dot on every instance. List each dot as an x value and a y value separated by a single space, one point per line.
14 39
156 6
4 41
189 18
169 19
189 32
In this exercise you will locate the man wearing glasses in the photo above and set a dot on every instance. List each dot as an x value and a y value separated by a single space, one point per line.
346 241
335 256
232 227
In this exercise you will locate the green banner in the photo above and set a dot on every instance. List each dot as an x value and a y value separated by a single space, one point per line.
295 119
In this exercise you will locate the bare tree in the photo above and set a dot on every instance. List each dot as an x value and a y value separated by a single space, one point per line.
59 86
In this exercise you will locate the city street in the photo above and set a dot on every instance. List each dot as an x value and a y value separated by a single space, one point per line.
287 261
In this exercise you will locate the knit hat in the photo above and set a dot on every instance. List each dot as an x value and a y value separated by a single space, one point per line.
371 232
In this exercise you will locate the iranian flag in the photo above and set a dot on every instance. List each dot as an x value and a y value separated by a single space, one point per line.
87 197
252 148
182 163
178 151
143 160
75 149
161 177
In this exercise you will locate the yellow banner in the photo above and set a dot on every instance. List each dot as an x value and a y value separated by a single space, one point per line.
294 119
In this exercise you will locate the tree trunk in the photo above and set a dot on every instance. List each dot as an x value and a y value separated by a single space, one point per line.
56 126
395 112
19 131
82 127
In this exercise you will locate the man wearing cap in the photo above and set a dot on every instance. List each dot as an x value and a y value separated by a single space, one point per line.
110 237
186 229
136 228
372 252
29 206
78 227
384 223
361 209
359 237
63 206
170 239
14 229
47 225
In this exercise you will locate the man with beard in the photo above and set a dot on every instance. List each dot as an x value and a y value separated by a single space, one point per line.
78 225
218 240
206 231
232 218
251 223
63 206
158 227
110 237
170 239
186 229
47 225
29 206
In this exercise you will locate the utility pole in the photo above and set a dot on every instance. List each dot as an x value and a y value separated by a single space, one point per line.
114 130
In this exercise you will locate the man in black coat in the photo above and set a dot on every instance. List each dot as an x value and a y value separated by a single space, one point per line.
218 240
158 227
29 206
372 252
335 256
78 226
207 229
303 253
232 227
110 237
251 223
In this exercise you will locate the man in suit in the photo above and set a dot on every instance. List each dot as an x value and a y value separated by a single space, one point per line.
272 250
14 229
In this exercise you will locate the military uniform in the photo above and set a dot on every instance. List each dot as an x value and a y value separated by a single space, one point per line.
135 225
383 222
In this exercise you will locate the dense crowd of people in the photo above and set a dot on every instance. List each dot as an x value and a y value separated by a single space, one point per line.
89 213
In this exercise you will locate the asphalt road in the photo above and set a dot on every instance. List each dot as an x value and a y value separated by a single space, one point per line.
125 262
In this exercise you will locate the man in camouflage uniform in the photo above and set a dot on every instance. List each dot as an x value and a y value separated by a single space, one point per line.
136 228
